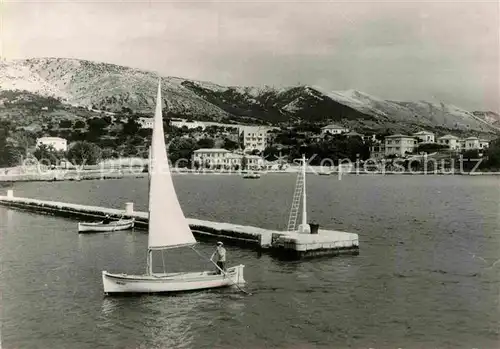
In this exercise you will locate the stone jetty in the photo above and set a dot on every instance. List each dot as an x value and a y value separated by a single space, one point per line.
287 245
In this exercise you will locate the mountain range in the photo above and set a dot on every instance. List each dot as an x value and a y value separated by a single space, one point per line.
77 83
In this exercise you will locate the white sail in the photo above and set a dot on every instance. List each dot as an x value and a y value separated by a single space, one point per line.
167 225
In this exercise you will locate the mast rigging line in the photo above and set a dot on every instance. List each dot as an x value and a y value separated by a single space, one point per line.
234 283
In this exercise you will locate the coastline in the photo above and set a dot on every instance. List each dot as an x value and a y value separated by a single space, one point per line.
57 175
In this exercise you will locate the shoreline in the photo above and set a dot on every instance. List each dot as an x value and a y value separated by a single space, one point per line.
57 176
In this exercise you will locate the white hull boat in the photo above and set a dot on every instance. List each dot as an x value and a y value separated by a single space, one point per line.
251 176
167 229
171 282
122 224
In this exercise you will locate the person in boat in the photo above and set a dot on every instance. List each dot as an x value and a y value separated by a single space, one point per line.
220 253
107 219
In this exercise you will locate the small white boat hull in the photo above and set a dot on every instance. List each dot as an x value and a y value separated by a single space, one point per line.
171 282
112 226
251 176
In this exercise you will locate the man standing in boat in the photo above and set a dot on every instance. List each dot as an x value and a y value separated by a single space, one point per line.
107 219
220 252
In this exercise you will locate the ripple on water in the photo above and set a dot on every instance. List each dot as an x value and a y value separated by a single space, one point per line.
425 276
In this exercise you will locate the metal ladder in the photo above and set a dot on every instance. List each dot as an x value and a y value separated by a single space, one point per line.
297 196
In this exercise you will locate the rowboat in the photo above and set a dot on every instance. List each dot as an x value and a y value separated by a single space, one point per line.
251 175
167 229
122 224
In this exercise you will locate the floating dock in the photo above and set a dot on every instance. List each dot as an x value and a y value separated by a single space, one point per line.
287 245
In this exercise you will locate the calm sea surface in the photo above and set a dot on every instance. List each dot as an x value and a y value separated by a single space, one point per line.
424 277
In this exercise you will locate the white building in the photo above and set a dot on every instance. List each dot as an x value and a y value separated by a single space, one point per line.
180 123
234 160
451 141
399 145
371 138
425 136
254 161
225 159
59 144
145 122
377 151
254 137
475 143
333 129
210 157
483 143
471 143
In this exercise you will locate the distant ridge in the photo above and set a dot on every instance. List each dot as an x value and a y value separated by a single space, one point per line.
112 87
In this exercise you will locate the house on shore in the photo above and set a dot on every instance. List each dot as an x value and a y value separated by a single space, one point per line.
451 141
223 158
399 145
58 143
425 136
333 129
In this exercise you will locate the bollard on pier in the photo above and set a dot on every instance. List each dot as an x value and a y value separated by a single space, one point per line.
129 208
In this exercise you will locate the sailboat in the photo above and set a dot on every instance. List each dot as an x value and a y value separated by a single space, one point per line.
168 229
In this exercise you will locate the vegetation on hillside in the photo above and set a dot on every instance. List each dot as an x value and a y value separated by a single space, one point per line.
114 88
99 136
492 156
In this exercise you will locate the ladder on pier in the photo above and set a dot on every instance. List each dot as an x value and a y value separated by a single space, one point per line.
298 196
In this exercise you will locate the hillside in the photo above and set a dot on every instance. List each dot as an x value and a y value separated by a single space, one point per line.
103 86
28 109
489 116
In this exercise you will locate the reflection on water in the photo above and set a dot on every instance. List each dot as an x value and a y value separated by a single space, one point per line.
131 242
7 219
171 321
167 321
109 305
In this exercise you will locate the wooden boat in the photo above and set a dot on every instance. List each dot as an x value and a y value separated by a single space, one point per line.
168 229
122 224
251 175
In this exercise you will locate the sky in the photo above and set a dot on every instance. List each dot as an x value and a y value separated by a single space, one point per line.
437 51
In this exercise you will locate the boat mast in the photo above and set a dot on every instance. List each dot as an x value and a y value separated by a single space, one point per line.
304 207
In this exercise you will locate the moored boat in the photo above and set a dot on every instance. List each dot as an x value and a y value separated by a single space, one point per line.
251 175
122 224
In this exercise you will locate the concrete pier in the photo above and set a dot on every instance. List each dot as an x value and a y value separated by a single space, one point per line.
287 245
